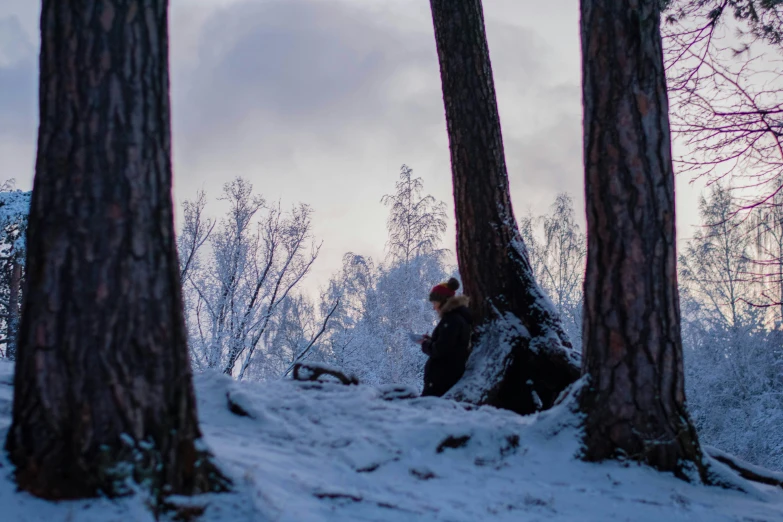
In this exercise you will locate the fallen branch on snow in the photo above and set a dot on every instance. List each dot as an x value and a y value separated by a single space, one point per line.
312 371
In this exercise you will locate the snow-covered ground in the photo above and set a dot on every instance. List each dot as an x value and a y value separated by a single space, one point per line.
328 452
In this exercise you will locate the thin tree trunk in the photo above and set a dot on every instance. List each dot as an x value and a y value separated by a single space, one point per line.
13 307
635 400
780 282
520 345
103 388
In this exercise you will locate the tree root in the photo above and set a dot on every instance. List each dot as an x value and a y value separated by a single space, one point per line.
744 469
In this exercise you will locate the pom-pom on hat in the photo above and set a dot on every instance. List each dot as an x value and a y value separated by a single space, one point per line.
441 292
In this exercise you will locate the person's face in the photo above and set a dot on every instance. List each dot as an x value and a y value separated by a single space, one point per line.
436 305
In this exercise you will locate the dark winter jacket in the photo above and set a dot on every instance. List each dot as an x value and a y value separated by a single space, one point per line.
449 347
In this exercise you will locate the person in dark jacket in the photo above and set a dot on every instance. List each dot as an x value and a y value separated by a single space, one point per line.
449 345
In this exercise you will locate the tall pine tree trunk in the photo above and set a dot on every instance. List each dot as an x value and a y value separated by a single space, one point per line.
520 346
635 400
103 388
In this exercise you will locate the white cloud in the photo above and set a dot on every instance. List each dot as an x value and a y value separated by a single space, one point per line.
321 101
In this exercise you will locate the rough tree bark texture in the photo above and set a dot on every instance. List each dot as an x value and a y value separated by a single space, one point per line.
635 400
520 344
103 386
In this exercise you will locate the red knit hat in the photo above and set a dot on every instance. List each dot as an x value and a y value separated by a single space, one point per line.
442 291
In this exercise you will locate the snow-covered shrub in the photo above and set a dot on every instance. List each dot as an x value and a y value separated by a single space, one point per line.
14 209
733 353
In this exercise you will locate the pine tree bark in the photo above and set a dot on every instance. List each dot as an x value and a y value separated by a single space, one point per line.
103 386
635 399
520 346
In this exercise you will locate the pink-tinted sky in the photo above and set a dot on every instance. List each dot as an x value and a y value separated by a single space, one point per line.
321 101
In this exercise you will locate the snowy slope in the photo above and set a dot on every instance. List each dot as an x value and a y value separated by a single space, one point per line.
327 452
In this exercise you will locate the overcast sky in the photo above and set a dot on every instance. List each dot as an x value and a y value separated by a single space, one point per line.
322 101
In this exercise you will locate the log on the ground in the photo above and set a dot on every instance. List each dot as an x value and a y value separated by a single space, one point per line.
312 371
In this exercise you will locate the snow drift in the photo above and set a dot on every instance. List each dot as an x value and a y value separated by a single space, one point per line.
328 452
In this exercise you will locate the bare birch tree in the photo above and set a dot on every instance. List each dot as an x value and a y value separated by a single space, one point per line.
258 255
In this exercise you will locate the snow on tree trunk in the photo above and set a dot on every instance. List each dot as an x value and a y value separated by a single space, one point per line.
520 345
103 389
635 402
